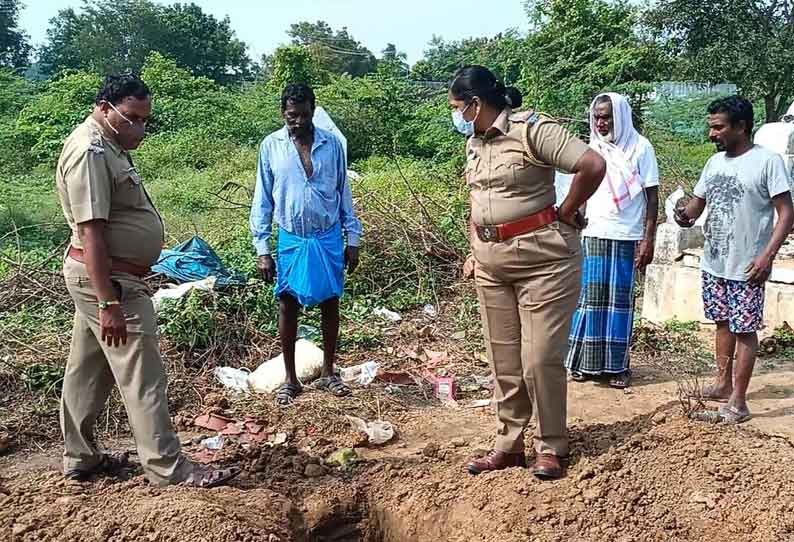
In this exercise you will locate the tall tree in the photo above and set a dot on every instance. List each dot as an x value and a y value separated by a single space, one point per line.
336 52
294 64
14 45
581 47
117 35
503 53
747 42
395 60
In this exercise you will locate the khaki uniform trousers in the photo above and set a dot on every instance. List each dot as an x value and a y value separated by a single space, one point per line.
528 289
93 368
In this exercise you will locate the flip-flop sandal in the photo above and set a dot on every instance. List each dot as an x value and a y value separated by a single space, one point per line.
576 376
287 393
733 416
620 381
111 464
205 477
334 385
727 415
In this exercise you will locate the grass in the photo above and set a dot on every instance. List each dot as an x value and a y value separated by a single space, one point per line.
414 213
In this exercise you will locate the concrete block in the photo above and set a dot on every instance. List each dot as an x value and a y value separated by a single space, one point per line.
672 241
675 291
672 291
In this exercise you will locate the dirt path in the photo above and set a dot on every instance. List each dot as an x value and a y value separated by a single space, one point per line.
639 471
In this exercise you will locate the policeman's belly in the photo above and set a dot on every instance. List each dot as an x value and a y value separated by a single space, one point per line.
496 209
137 238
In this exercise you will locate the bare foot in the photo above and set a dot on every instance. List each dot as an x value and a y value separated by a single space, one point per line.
715 392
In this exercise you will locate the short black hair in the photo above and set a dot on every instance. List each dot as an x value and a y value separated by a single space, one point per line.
118 87
736 108
297 93
479 81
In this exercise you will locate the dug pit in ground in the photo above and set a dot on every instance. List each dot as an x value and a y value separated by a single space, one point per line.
657 477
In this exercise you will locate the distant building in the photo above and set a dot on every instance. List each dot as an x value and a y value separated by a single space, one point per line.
686 89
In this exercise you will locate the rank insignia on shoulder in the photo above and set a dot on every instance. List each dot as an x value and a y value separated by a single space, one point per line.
96 149
528 117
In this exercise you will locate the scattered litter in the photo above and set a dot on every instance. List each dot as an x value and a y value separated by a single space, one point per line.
398 378
253 427
628 391
445 388
434 359
234 379
364 374
386 314
369 371
429 311
310 333
343 458
486 382
272 374
213 443
278 439
173 291
213 422
479 403
379 432
459 336
233 429
194 260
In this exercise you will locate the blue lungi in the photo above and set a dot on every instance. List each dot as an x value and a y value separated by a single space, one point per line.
311 269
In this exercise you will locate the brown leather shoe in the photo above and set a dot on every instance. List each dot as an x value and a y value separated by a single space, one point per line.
547 467
496 460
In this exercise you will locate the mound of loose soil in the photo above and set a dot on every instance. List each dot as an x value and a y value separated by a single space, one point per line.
59 510
634 481
656 477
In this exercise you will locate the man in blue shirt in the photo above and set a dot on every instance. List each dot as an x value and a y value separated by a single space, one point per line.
302 185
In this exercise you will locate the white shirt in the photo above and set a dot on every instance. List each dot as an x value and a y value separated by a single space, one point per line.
628 224
779 137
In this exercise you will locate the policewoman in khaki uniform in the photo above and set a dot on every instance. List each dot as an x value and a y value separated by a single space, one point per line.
117 234
526 258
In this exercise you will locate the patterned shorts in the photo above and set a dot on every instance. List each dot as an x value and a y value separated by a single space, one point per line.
739 303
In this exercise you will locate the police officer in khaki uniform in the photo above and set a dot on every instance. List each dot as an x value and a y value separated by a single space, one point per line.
526 258
117 234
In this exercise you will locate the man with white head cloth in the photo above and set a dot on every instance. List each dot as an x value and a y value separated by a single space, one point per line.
618 241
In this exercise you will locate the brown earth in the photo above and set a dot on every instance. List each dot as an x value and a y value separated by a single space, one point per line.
639 470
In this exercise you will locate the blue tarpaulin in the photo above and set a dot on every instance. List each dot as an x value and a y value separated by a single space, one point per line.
195 260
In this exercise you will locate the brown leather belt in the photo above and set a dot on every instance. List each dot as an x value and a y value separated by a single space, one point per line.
503 232
119 266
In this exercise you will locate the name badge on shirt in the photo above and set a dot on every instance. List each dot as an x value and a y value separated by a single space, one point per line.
135 177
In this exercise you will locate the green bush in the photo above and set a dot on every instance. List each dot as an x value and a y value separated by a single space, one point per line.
47 120
15 93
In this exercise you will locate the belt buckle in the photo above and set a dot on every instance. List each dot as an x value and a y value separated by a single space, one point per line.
489 233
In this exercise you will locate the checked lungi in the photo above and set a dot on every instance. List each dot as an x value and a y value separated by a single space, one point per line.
600 336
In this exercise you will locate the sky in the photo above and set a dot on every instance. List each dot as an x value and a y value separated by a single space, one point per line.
262 24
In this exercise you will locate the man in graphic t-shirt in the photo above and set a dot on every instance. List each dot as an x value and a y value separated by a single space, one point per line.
743 185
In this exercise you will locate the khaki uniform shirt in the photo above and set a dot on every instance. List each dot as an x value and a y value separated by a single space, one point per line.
97 180
510 168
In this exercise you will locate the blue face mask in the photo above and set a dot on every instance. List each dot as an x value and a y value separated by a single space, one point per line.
465 127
